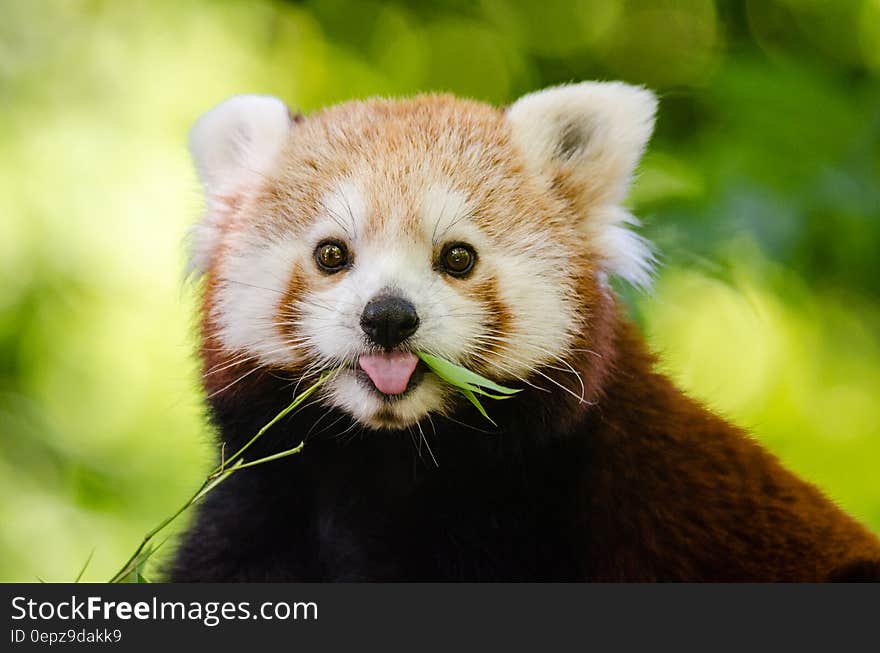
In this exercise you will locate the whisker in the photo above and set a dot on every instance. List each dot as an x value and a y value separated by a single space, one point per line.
467 426
570 368
331 424
554 382
229 385
474 349
427 444
250 285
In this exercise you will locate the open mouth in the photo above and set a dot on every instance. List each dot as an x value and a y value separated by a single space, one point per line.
391 374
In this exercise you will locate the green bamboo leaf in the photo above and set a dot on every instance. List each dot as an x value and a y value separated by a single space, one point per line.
482 392
462 377
469 383
134 574
218 480
83 570
476 402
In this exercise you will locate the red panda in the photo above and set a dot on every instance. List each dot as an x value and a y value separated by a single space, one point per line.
353 239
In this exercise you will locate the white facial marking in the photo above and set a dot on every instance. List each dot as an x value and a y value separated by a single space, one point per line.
344 206
442 208
253 282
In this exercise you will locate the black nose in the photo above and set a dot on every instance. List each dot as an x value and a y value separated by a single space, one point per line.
388 320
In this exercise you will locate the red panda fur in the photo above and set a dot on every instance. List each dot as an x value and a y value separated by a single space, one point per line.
636 482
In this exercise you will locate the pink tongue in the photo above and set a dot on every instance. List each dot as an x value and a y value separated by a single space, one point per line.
389 372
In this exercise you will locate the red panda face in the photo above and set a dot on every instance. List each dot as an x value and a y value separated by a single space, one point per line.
358 237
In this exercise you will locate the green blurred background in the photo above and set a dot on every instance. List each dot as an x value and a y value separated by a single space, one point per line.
760 189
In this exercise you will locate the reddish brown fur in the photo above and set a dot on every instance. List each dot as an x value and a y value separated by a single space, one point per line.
297 289
701 498
499 318
694 483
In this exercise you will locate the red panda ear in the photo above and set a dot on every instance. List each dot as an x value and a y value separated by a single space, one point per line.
590 136
232 145
594 132
238 139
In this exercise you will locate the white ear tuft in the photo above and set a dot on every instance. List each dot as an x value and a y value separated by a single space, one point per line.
238 139
624 252
591 136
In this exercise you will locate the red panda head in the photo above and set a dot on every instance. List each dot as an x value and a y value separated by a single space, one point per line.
355 237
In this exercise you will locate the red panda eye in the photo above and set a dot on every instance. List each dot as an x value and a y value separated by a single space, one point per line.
331 256
458 259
